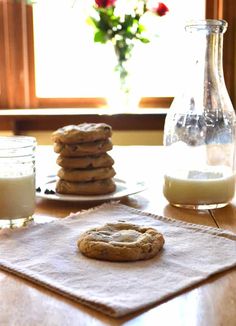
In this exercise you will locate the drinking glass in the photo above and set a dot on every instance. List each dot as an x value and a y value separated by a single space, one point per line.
17 179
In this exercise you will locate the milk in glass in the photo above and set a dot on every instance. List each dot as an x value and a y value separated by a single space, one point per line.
17 177
17 199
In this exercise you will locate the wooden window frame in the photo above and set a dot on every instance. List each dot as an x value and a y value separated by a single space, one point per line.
17 80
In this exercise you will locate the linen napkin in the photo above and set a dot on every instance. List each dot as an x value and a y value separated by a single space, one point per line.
47 254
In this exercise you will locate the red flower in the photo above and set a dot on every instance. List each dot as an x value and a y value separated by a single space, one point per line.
105 3
161 9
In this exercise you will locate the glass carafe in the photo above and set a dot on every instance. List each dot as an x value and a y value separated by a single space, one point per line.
199 132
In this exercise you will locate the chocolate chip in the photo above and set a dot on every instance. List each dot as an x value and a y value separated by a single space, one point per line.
49 192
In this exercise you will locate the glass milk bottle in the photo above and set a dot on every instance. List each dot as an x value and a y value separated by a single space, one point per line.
17 179
199 132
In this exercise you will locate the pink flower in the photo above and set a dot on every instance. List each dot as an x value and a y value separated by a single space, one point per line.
105 3
161 9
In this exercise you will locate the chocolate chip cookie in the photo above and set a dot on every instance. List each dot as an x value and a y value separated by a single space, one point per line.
92 161
82 133
98 187
121 242
83 149
86 174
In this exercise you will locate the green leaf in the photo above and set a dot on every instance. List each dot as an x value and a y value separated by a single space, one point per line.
128 21
141 28
144 40
100 37
91 21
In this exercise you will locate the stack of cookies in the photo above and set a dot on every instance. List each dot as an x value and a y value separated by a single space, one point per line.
85 166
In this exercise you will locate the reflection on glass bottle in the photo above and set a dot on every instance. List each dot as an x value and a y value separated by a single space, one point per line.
199 133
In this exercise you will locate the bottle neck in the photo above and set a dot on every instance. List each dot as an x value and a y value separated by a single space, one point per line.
205 56
213 66
206 44
206 78
203 88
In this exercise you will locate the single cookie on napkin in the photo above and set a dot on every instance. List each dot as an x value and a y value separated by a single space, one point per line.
121 242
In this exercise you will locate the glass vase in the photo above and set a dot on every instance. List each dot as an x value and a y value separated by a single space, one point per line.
124 95
199 132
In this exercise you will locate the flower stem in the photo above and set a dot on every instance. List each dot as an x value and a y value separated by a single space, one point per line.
123 52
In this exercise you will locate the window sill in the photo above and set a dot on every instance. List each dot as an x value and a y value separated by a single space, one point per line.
20 120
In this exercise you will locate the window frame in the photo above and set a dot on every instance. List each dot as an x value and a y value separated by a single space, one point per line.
17 80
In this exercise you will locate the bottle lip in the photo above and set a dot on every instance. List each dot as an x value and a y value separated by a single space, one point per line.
207 25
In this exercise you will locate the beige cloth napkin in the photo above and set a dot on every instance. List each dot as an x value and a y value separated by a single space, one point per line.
47 254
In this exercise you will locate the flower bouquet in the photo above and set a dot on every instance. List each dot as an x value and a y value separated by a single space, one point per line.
121 22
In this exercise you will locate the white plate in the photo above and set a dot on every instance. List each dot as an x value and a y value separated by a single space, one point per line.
122 189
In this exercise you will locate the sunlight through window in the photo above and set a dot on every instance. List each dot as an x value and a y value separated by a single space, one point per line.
69 64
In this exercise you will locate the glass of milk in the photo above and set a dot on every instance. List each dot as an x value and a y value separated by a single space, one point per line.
17 179
200 127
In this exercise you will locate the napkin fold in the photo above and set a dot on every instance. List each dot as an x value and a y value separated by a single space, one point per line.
47 254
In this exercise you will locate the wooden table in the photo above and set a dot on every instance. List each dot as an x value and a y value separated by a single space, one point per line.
213 302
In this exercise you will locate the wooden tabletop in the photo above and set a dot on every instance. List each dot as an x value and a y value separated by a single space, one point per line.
213 302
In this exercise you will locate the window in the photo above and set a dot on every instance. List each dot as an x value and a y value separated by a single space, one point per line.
68 64
43 65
